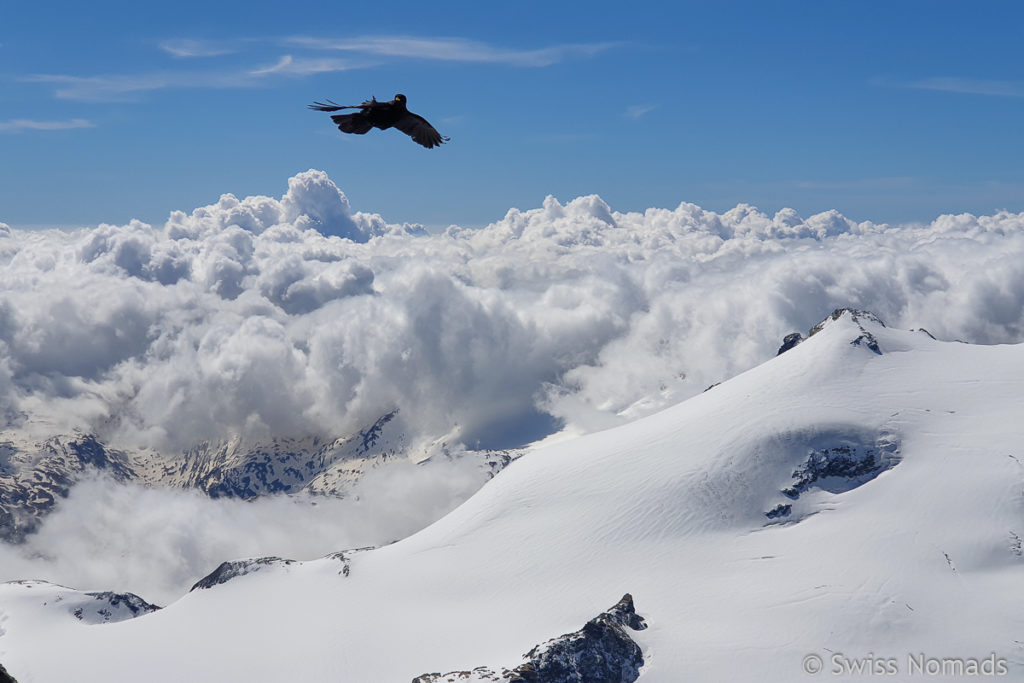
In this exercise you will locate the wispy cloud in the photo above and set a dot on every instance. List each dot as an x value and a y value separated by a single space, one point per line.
130 87
971 86
110 88
23 125
290 66
451 49
190 48
638 110
127 88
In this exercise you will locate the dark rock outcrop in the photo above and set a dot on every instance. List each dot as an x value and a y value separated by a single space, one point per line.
6 677
837 461
856 315
600 652
789 341
100 607
853 462
235 568
865 339
112 607
345 557
780 510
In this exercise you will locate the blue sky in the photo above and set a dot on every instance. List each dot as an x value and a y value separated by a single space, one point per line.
891 112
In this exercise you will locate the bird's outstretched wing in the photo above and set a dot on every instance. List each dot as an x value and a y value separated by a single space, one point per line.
416 127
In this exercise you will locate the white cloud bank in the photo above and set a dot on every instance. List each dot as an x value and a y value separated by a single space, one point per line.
297 316
158 542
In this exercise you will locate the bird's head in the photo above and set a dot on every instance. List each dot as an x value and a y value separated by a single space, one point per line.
400 98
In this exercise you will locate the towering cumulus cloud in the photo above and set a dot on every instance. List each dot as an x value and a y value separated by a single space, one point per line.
298 317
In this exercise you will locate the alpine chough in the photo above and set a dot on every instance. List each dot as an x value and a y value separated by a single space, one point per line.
383 115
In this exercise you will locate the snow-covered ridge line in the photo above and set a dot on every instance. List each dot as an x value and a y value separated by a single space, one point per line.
87 607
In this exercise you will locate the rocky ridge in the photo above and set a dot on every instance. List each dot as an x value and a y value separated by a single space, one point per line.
96 607
600 652
36 474
866 339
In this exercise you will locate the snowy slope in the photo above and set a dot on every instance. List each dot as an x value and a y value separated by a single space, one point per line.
900 457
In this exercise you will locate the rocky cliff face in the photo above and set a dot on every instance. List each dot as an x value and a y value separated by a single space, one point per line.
600 652
34 475
244 469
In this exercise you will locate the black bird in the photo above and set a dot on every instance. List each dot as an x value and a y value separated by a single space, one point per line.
383 115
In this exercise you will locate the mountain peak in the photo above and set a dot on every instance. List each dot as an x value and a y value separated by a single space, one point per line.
854 316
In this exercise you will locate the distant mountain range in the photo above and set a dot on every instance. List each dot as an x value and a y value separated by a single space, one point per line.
35 474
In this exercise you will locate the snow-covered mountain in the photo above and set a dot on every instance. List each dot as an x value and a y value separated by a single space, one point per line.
35 474
851 507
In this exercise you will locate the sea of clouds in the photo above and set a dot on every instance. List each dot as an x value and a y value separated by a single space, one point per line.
298 316
157 542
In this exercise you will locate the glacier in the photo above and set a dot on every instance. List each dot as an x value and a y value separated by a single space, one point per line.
901 459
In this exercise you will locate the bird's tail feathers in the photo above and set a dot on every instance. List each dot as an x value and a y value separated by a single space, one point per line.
332 106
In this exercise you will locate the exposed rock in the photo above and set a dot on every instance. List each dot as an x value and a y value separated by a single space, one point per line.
113 607
240 469
1016 545
856 315
866 338
91 608
789 341
6 677
345 557
235 568
477 675
36 475
601 652
848 461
